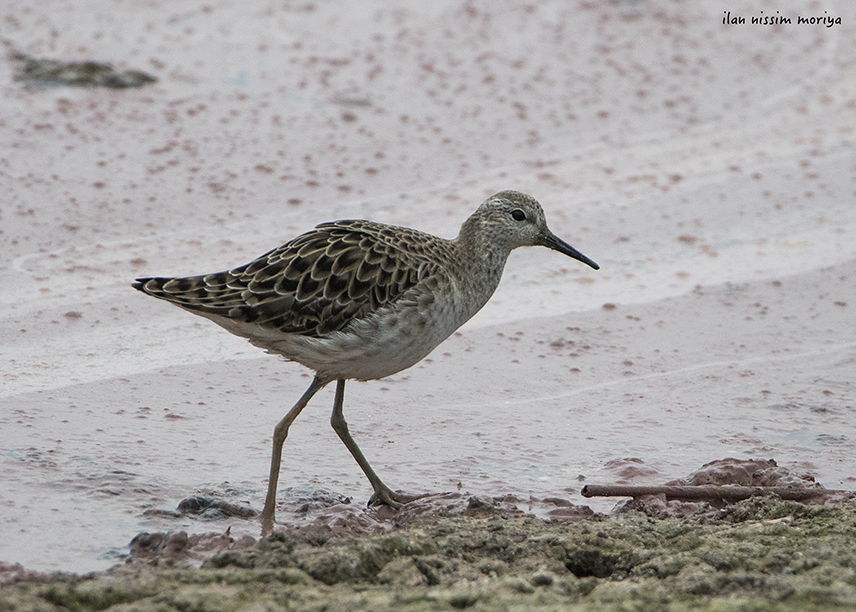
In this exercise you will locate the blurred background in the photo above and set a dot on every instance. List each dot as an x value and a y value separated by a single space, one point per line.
708 167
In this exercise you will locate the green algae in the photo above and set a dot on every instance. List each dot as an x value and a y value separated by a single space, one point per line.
760 554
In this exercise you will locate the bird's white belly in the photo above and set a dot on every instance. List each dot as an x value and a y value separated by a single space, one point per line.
379 345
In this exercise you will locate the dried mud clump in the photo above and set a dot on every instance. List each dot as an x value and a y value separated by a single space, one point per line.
737 472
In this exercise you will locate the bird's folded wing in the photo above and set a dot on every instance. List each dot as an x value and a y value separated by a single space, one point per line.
312 285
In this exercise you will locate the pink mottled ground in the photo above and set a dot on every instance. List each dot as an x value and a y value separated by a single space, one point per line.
709 169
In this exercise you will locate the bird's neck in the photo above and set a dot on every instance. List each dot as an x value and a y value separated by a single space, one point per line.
481 253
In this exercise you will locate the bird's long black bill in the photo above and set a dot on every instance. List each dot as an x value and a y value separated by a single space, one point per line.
551 241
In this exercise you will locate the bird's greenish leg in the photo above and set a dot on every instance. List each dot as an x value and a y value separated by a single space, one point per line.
382 493
280 433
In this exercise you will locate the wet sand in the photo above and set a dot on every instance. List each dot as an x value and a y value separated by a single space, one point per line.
708 169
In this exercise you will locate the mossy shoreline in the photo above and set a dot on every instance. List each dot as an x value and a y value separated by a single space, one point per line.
760 554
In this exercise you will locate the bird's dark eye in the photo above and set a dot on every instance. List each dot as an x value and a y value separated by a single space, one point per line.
518 215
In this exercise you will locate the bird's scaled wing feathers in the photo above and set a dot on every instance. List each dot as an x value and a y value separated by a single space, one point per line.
313 285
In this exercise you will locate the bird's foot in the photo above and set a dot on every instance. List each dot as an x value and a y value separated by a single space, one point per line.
393 499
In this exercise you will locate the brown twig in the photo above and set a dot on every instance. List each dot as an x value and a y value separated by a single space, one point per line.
703 492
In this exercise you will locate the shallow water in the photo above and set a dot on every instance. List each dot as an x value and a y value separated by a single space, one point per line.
715 193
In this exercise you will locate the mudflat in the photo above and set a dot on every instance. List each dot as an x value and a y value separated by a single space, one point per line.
759 554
